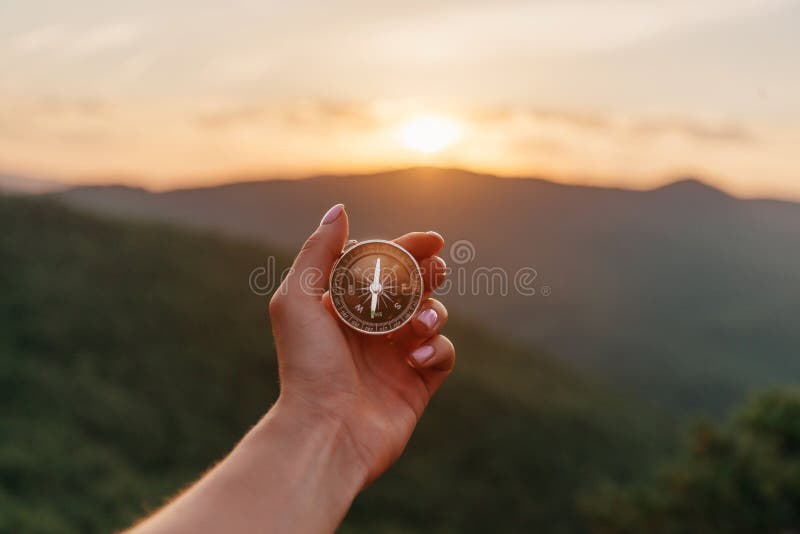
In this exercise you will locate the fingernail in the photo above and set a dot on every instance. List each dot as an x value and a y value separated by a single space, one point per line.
332 214
422 354
435 234
428 317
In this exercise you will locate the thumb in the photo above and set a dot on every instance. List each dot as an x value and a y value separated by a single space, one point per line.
312 267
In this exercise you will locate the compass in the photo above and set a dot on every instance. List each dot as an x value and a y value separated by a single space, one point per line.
376 286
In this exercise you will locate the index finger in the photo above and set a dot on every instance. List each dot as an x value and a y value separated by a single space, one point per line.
421 245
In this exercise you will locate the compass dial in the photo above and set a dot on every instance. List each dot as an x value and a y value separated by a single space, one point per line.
376 286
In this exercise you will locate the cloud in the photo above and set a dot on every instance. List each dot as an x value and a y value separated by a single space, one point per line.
299 114
592 121
68 120
77 41
539 144
86 106
32 109
232 116
548 129
605 124
104 37
568 26
38 39
698 131
576 118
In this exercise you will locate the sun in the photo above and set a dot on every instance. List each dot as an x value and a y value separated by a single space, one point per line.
429 133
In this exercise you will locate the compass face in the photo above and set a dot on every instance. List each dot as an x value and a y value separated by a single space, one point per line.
376 286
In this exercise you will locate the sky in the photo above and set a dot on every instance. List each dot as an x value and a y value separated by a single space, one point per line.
623 93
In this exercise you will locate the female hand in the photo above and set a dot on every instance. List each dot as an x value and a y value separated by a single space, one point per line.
374 387
347 406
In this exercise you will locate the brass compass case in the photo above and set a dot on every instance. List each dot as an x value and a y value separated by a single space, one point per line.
376 286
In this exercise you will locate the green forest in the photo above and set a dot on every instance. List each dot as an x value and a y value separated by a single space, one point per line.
134 355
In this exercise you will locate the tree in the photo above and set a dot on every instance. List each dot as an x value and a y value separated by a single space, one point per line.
740 476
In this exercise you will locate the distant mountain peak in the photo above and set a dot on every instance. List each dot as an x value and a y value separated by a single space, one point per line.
690 187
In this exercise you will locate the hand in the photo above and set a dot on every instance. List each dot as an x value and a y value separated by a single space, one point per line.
373 388
347 407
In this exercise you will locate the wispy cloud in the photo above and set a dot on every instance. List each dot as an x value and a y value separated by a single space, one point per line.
65 40
642 127
584 26
316 114
724 132
39 38
104 38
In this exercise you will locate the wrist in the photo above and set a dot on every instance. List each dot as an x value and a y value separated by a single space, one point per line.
293 472
318 459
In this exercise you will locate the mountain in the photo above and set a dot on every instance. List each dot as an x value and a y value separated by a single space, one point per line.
14 184
133 356
683 294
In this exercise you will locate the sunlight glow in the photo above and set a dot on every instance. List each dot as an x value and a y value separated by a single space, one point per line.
429 133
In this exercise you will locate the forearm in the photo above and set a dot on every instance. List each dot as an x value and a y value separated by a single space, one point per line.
286 475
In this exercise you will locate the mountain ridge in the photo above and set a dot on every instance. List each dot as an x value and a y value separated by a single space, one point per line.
54 185
683 294
17 184
676 182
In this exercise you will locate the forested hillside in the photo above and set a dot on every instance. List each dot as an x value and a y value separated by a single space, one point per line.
133 356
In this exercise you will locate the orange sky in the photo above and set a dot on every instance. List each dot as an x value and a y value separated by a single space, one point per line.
605 92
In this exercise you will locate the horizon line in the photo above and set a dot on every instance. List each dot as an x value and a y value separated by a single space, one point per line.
48 185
